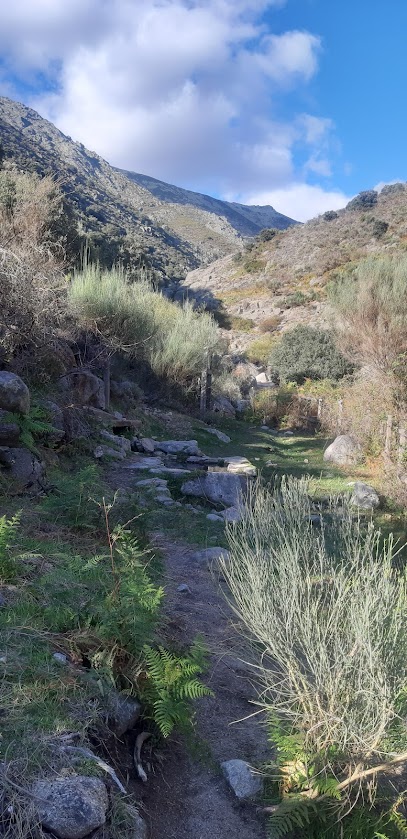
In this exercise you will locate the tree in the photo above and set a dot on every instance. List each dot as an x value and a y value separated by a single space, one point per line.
306 353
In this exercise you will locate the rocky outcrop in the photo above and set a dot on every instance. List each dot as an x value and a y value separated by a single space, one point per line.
14 393
344 451
22 470
71 807
84 388
218 487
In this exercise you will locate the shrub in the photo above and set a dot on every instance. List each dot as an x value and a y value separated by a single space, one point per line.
330 215
380 227
133 318
267 234
372 303
259 350
326 608
363 201
270 324
306 353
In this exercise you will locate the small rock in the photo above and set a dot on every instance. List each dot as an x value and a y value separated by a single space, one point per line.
124 711
71 807
147 445
60 658
107 451
264 428
344 451
240 466
184 589
117 440
14 393
231 514
209 555
152 482
287 433
139 828
241 779
222 405
214 517
364 496
218 487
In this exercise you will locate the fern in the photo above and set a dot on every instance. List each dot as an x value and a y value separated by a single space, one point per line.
292 813
170 686
8 529
32 426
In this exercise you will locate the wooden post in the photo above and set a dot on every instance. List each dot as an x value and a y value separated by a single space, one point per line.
387 440
106 380
319 410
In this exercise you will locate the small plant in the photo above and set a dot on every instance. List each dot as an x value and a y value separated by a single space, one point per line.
171 684
71 501
8 529
32 427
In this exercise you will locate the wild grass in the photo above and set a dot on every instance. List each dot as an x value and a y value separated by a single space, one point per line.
135 319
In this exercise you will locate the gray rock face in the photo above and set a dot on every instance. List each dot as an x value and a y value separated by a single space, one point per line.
124 711
209 555
364 496
116 440
107 451
241 779
344 451
71 807
23 470
9 434
56 419
189 447
14 393
231 514
139 827
223 406
218 487
85 388
240 465
147 445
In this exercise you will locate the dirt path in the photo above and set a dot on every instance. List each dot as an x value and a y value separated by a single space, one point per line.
191 800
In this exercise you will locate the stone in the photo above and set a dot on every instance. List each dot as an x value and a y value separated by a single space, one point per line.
184 589
14 393
214 517
107 451
123 712
9 434
71 807
147 445
364 496
231 514
241 779
262 378
222 405
189 447
167 470
139 828
218 487
209 555
116 440
287 433
206 461
85 388
219 434
56 419
60 658
163 497
152 482
138 462
24 470
344 451
240 465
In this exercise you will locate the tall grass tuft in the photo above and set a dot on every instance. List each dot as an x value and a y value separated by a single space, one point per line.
135 319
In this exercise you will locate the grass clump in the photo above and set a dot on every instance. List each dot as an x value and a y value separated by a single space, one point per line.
327 607
8 529
133 318
72 501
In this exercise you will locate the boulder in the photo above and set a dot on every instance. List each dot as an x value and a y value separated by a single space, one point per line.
189 447
364 496
123 712
218 487
219 434
116 440
222 405
262 378
14 393
241 779
23 470
85 388
240 466
138 828
147 445
108 451
71 807
232 514
56 419
344 451
209 555
9 434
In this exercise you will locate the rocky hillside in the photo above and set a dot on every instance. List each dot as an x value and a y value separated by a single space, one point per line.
169 229
274 284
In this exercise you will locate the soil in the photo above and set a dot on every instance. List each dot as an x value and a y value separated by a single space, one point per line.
186 795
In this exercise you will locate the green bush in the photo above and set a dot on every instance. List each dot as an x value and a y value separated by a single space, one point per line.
326 608
306 353
133 318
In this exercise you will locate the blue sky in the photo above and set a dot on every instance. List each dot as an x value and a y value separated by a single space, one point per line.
296 103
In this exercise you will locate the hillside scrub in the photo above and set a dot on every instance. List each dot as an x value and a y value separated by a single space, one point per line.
326 608
134 319
306 353
371 300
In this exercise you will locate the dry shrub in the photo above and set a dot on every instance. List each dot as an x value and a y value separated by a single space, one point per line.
33 286
270 324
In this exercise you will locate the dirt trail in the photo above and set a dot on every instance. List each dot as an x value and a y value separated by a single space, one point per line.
191 800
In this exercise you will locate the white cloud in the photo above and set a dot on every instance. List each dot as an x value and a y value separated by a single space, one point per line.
300 201
185 90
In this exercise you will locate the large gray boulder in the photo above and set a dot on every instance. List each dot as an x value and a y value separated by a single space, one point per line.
364 496
56 419
344 451
9 433
241 778
14 393
23 470
223 406
218 487
71 807
240 466
85 388
189 447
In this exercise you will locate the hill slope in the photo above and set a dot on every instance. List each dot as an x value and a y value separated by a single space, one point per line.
285 278
171 229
